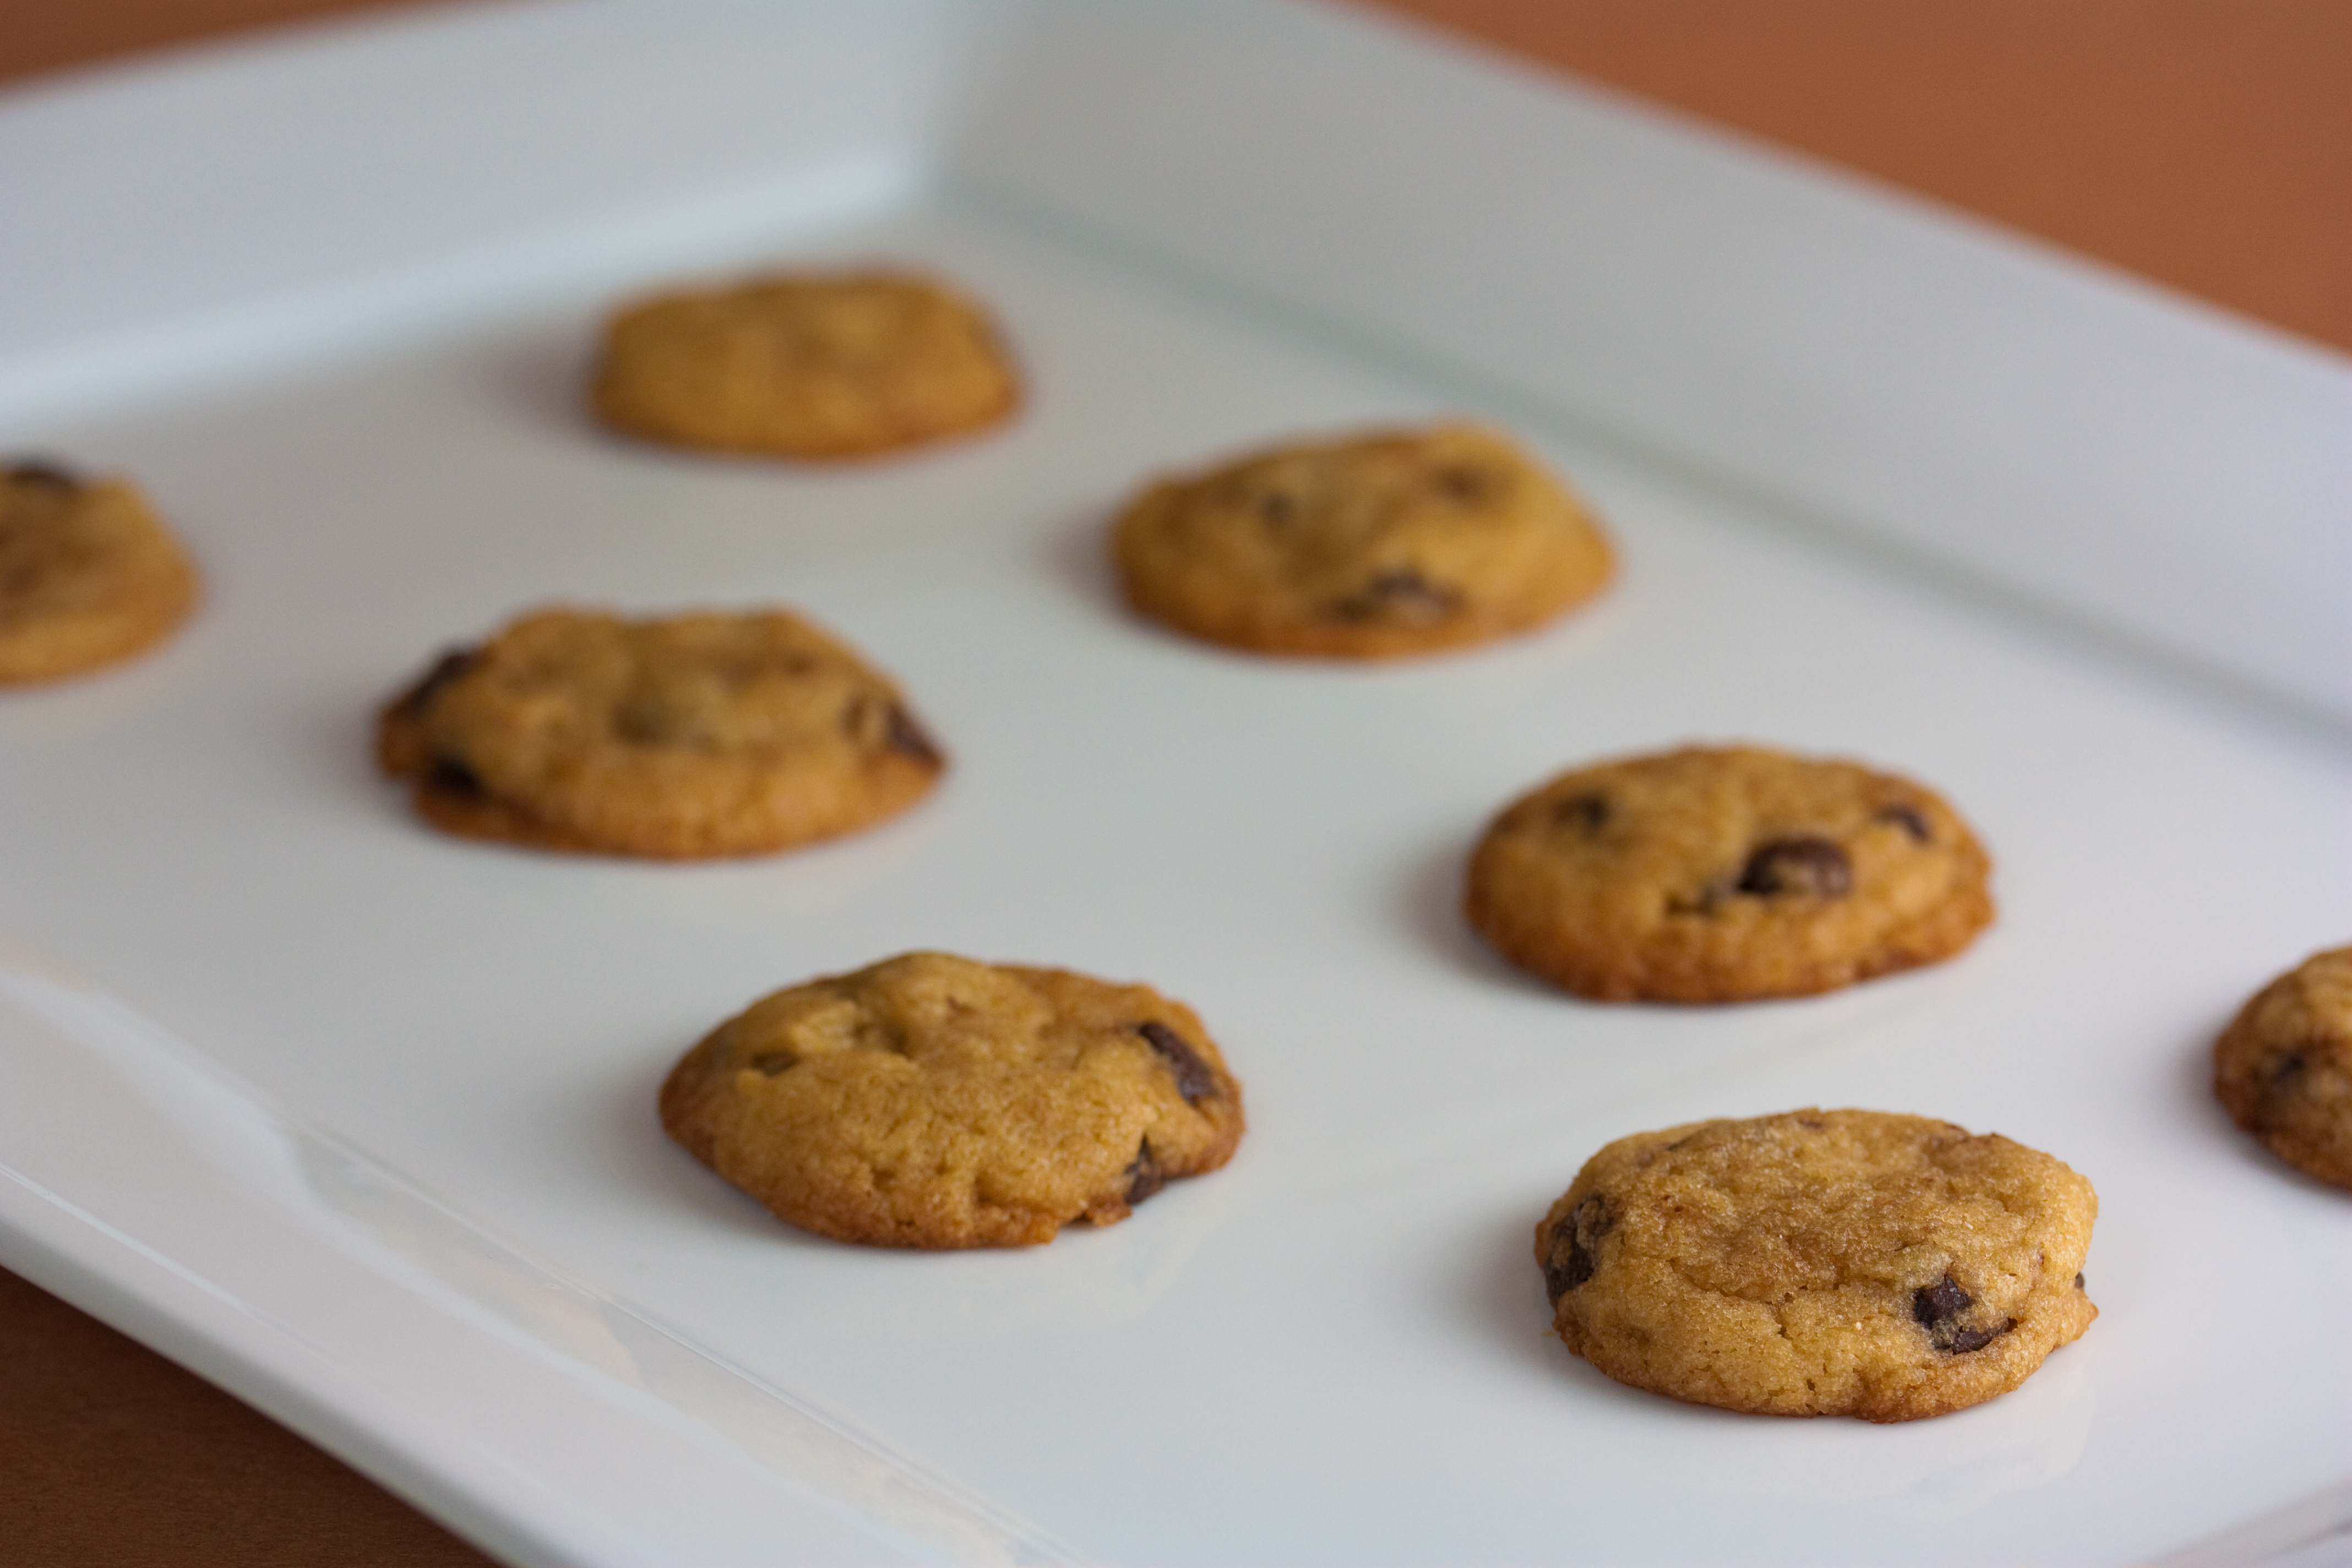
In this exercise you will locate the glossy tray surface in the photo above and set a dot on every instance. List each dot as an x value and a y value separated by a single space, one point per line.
358 1119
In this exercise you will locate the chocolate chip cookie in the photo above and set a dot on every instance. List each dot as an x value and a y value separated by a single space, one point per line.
809 366
1820 1263
1396 543
934 1101
2284 1067
88 575
696 735
1723 874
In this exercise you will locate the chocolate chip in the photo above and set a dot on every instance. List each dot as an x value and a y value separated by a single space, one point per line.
1461 482
1934 1306
774 1062
1570 1260
1803 863
449 775
2078 1281
46 472
2285 1068
1402 593
1144 1176
1906 817
1195 1079
1937 1307
1589 812
907 738
1277 507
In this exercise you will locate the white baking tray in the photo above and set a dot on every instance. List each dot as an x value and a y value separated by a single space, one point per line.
357 1120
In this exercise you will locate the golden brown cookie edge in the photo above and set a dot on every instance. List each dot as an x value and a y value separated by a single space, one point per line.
692 1088
627 417
403 752
2061 1306
2245 1062
105 647
1527 941
1237 628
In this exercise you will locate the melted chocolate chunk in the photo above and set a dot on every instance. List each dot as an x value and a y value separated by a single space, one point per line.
1589 812
46 472
1400 595
449 775
907 738
1932 1306
1570 1260
1195 1080
1937 1307
1967 1340
1804 864
1144 1176
774 1062
1907 818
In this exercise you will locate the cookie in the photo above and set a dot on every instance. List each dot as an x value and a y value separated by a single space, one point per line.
1820 1263
2284 1067
1725 874
933 1101
88 575
696 735
1397 542
810 365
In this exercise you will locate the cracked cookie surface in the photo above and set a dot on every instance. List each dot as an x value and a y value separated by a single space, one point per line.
2283 1068
702 735
88 575
1396 543
1723 874
935 1101
809 366
1820 1263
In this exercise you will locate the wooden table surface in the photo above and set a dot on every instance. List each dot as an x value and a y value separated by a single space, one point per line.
2205 144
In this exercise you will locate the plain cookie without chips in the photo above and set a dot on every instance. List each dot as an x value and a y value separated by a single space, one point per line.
88 575
1397 542
2283 1068
1820 1263
810 365
1724 874
934 1101
703 734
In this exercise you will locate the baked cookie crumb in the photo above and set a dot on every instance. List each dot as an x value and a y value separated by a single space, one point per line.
812 365
2283 1068
1820 1263
938 1102
88 574
1395 543
703 734
1725 874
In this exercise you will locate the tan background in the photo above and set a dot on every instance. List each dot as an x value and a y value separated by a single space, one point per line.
2206 144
